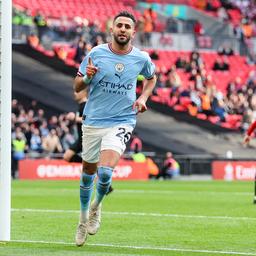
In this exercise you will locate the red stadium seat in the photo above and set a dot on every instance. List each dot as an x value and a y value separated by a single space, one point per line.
201 116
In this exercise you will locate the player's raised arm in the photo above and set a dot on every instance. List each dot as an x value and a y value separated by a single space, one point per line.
81 81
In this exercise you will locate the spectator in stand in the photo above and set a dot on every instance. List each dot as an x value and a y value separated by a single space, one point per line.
221 65
238 83
173 79
193 74
180 63
170 169
160 82
247 28
198 28
149 23
199 83
108 24
225 49
31 116
33 40
51 143
67 138
15 107
222 14
26 130
213 5
196 101
41 24
152 168
22 117
219 107
195 56
95 32
39 117
191 65
140 30
201 4
80 51
53 122
251 58
136 143
251 81
44 128
171 25
36 141
154 55
18 151
61 53
138 156
206 103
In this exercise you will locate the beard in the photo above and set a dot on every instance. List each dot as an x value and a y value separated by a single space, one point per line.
122 41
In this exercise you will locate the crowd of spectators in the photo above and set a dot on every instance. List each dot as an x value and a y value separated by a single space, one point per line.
35 134
202 92
73 30
82 34
203 97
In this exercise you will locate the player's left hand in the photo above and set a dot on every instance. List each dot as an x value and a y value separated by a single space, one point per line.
139 105
247 139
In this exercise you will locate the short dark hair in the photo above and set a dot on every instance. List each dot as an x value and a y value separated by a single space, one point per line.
127 15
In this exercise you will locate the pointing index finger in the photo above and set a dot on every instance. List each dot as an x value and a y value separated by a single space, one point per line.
90 61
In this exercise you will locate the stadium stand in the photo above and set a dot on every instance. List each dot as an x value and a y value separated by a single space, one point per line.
72 8
173 90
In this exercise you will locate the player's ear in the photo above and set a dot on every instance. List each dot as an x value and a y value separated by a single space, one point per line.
111 30
133 34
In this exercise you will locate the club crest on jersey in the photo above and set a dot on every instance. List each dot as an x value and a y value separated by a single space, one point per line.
119 67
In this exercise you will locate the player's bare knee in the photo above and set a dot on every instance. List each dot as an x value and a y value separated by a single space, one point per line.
109 158
68 155
89 168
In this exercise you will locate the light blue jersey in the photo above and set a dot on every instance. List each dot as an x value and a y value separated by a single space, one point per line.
113 88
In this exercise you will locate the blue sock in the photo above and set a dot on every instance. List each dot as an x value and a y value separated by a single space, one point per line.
103 183
86 188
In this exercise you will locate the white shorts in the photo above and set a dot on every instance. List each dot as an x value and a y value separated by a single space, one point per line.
96 139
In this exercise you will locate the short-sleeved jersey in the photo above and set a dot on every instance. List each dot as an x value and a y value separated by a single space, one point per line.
113 88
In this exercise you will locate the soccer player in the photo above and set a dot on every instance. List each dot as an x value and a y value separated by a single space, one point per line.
72 154
111 71
249 132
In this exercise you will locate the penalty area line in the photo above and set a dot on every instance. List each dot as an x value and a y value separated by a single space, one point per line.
138 247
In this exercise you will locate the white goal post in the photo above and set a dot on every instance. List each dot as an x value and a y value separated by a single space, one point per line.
5 118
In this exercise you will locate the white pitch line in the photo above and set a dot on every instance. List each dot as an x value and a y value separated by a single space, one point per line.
141 247
140 191
147 214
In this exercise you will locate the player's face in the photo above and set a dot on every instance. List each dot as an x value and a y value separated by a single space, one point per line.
123 30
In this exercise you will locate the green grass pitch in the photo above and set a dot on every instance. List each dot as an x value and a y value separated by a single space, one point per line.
139 218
